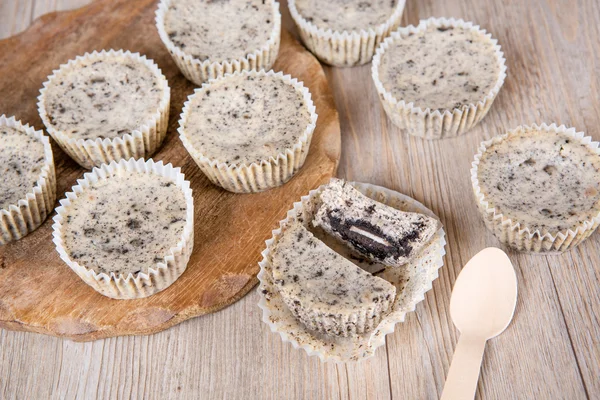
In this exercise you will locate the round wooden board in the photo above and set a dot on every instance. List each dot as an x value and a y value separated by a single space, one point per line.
38 292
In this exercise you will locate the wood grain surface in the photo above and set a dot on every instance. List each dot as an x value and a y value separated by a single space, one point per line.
550 351
39 293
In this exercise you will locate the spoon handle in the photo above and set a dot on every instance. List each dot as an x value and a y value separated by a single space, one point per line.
464 370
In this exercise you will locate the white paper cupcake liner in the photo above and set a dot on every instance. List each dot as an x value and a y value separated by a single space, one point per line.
163 273
344 48
254 177
28 214
412 281
435 124
140 143
201 71
516 234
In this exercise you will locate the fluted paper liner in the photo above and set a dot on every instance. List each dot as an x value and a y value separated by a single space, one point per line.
201 71
159 276
344 48
515 233
254 177
28 213
412 281
140 143
435 124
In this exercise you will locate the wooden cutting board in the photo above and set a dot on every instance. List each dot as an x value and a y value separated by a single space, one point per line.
38 292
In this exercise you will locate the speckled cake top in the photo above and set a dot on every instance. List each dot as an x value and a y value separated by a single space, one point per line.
316 281
125 223
103 98
373 229
245 119
440 68
346 15
219 30
545 180
21 161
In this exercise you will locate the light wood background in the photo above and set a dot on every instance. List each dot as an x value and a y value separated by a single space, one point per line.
552 348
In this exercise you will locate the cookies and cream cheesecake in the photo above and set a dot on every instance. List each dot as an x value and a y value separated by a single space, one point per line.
345 32
106 106
132 223
328 293
28 184
346 15
310 283
440 71
249 131
210 38
378 232
538 187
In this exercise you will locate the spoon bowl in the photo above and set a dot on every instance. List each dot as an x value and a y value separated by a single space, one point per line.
485 294
482 305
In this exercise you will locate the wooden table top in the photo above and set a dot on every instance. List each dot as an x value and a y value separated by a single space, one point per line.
550 351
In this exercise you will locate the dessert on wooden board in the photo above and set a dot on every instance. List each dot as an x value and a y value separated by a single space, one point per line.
325 291
323 298
378 232
106 106
28 181
127 229
208 39
438 79
249 131
538 187
339 310
345 33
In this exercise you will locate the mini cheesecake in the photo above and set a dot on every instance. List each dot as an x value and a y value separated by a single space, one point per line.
545 180
130 222
208 38
28 185
249 131
438 79
378 232
325 291
345 33
346 15
106 106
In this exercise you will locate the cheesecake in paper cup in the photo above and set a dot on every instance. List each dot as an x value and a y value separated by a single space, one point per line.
538 187
210 39
344 46
411 280
238 144
127 228
106 106
468 77
28 179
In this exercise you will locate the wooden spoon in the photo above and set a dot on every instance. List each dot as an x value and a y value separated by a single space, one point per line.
482 305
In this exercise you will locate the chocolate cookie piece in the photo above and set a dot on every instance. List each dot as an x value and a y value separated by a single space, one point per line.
376 231
325 291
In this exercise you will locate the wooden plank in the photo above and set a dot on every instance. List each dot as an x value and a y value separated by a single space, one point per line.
15 16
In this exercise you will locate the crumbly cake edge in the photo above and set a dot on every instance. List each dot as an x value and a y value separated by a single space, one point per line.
140 143
282 322
142 284
344 48
515 233
29 213
201 71
254 177
426 123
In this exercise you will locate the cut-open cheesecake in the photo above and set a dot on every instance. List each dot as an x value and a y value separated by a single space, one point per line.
325 291
376 231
